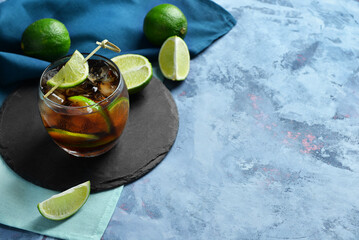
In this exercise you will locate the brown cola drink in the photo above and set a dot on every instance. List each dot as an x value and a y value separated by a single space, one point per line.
88 119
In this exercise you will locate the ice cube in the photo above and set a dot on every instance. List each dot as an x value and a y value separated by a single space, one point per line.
106 88
92 76
97 74
109 78
57 97
81 89
97 97
104 71
50 74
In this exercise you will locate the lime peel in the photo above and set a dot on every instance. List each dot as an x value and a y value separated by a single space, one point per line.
65 204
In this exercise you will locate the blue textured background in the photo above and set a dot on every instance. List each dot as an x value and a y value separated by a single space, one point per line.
268 141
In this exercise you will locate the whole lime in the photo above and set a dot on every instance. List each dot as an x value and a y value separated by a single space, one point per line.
164 21
46 39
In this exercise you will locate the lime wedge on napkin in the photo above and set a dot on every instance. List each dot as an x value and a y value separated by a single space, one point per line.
65 204
73 73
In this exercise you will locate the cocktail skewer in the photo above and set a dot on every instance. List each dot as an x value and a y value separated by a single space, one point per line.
104 44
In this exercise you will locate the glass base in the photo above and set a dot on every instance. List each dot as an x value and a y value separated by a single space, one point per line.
91 153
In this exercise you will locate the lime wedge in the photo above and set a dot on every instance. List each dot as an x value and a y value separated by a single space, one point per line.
73 73
117 104
65 204
84 101
174 59
70 138
135 69
81 140
118 111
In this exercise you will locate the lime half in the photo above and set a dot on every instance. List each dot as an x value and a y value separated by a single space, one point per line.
65 204
73 73
135 69
174 59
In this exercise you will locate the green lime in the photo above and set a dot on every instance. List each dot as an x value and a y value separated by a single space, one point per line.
118 110
117 104
136 71
82 140
70 138
46 39
65 204
82 101
164 21
174 59
73 73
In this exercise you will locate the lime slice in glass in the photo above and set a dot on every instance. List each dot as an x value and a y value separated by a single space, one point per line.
73 73
70 138
118 111
82 140
82 101
118 104
136 71
174 59
65 204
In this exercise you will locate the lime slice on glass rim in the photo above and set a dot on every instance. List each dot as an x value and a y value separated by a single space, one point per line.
174 59
136 71
73 73
65 204
84 101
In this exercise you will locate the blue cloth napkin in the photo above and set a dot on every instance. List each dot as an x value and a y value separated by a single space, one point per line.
87 22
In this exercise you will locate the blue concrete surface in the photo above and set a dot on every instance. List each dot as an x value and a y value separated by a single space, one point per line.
268 144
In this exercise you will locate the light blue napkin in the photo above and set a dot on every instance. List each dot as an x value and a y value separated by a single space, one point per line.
18 208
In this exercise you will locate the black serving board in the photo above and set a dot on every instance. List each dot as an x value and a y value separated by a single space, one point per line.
30 152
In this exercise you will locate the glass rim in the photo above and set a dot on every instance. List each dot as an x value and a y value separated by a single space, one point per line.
119 86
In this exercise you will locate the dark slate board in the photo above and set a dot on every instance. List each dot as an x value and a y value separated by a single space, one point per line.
28 150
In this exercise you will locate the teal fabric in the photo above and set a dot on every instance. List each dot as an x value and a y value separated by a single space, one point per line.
87 21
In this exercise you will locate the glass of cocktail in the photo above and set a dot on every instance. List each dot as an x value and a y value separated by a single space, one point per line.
87 119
